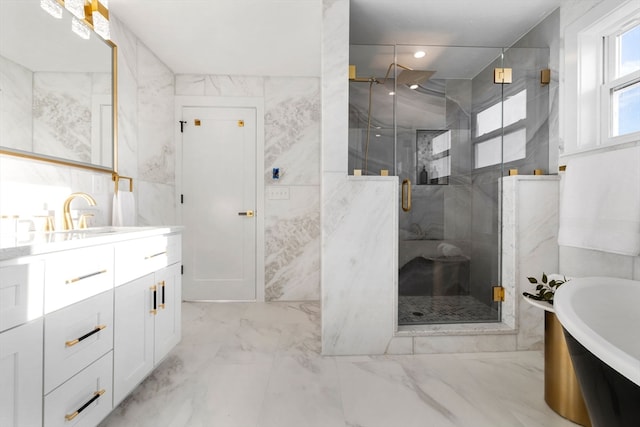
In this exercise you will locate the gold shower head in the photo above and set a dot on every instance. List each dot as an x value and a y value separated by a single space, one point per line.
409 76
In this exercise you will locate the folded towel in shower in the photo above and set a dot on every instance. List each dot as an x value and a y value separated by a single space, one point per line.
600 206
447 249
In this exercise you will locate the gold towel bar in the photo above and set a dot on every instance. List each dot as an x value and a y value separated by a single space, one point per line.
116 179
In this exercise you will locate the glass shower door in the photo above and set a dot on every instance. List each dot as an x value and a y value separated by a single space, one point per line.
450 132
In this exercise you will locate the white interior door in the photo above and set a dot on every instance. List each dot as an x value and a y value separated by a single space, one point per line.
219 203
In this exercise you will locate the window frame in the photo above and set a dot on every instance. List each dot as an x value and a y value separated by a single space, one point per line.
611 83
584 109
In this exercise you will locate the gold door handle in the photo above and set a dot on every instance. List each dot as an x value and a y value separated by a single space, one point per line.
246 213
406 195
154 310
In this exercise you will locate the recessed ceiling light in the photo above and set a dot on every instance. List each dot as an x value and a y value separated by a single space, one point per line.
419 54
392 93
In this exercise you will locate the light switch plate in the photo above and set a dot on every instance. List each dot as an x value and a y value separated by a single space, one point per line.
277 192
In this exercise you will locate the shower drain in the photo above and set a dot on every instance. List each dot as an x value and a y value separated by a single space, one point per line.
418 313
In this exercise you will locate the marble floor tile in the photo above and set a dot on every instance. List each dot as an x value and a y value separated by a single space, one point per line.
259 365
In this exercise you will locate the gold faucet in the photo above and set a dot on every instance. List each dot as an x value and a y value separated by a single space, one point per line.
68 221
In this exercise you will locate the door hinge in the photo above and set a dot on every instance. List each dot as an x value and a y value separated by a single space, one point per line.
502 75
182 269
498 294
182 199
182 123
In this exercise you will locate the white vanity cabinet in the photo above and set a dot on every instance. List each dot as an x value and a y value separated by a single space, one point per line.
21 375
147 311
83 320
21 332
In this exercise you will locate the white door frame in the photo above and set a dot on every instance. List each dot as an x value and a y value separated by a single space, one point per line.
227 102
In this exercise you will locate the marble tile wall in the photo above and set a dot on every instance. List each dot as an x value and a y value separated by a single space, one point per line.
16 86
58 97
292 144
146 153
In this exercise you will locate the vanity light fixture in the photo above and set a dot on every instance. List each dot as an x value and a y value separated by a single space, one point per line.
52 7
87 15
99 15
419 54
76 7
80 28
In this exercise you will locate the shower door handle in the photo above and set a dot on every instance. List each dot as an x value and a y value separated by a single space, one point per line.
406 195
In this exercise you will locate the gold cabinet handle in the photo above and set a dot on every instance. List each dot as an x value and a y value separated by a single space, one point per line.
155 255
95 397
162 305
86 276
154 310
406 195
85 336
247 213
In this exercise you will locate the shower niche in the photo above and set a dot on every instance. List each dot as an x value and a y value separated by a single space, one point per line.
433 157
449 132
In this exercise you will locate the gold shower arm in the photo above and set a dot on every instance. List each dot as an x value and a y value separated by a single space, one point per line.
389 70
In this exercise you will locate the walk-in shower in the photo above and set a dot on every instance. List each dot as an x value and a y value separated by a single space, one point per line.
449 134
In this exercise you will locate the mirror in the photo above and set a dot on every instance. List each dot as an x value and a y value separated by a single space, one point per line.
57 98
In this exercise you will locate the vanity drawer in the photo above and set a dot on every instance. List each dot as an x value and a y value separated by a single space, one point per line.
71 276
83 400
75 336
21 292
137 258
174 248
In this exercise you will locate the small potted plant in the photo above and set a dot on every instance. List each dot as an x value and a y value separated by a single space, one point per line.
545 289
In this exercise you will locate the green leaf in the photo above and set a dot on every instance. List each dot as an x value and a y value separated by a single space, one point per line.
552 283
548 296
539 287
544 278
532 280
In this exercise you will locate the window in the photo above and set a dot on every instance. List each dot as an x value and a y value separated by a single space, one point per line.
601 84
491 147
621 86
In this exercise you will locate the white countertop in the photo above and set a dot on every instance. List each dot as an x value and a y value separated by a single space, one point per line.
602 314
14 246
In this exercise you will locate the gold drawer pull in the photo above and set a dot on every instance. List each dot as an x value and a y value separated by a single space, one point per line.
87 335
154 310
155 255
86 276
95 397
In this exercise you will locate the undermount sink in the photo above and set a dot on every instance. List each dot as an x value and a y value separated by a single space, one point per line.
600 317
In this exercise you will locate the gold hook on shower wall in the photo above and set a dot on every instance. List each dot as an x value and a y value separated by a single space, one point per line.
406 195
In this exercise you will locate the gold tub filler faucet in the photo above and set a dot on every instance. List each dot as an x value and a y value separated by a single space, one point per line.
68 221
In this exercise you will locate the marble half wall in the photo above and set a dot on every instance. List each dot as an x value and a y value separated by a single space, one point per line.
530 222
292 144
360 264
